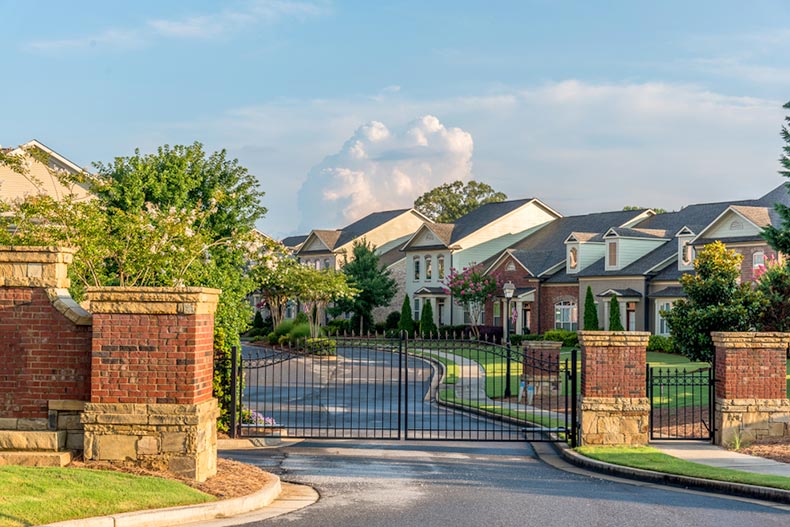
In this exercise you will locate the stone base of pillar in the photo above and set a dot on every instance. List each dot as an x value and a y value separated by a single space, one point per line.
746 420
180 438
615 420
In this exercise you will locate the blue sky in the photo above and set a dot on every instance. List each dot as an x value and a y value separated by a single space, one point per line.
341 108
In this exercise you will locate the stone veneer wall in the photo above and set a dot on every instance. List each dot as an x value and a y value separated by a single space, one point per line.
152 372
751 390
45 342
614 406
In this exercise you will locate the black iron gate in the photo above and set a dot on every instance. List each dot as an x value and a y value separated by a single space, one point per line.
382 388
681 403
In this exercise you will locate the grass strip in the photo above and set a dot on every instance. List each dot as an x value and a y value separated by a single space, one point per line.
649 458
528 417
36 496
451 368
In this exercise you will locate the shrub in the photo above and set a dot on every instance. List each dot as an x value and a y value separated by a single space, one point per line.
321 346
273 338
284 327
531 336
299 333
773 283
406 323
614 315
392 320
257 322
568 338
516 340
590 311
660 343
301 318
427 325
380 327
338 326
282 340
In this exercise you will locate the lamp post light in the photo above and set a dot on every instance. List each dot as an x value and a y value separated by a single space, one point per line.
508 289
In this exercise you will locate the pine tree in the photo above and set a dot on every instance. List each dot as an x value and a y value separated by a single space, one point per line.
590 311
779 238
406 322
614 315
427 326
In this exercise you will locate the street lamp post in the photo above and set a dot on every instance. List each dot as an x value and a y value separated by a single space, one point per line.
508 289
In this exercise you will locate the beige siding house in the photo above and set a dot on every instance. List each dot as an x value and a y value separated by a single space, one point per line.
40 177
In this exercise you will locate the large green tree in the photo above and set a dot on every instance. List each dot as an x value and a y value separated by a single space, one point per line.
716 301
448 202
176 217
590 311
376 286
779 237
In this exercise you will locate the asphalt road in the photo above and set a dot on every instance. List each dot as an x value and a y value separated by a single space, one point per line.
362 393
480 484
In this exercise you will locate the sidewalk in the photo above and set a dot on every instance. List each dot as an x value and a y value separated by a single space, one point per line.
716 456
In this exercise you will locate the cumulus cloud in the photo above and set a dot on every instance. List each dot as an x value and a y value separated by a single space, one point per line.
381 169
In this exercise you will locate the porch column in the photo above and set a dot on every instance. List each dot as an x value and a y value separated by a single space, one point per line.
751 388
614 406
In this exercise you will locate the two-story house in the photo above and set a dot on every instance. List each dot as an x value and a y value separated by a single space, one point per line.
546 297
436 248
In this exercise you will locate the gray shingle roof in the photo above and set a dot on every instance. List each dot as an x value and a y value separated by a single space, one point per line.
668 292
294 241
624 293
482 216
366 224
545 248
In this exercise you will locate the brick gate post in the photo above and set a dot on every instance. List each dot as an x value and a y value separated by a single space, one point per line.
151 379
614 406
751 386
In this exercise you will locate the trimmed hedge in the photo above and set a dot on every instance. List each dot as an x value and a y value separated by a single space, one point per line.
568 338
660 343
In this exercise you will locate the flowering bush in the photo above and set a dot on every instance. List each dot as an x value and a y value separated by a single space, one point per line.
472 288
257 418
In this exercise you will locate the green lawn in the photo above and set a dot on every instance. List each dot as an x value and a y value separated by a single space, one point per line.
448 395
651 459
35 496
451 368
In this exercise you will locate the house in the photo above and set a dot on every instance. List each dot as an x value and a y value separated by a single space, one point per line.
546 296
329 249
436 248
41 164
642 265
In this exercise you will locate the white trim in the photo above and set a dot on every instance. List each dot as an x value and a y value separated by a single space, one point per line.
720 217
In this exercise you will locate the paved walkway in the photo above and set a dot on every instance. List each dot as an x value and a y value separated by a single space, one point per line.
715 456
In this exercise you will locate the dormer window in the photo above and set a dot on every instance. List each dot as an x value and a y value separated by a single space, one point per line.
573 258
687 253
611 254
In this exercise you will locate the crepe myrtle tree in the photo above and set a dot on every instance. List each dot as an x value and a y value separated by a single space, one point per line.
471 288
316 289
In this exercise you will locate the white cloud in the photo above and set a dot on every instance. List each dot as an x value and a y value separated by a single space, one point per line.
579 146
199 26
381 169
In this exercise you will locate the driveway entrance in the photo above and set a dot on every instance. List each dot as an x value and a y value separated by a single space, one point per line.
378 388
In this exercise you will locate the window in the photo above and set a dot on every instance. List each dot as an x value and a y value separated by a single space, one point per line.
573 258
416 268
510 266
428 269
527 317
416 313
440 309
630 316
758 259
326 263
497 313
612 247
440 266
662 328
566 315
686 253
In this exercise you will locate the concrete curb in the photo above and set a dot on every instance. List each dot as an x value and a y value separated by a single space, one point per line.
184 514
723 487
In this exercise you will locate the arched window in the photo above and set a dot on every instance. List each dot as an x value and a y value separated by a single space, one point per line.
573 258
687 255
440 266
416 268
326 263
566 315
428 269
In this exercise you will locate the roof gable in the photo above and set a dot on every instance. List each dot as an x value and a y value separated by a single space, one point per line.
737 221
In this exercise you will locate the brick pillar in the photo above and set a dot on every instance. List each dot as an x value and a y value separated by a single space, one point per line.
541 366
751 387
614 406
45 341
151 381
